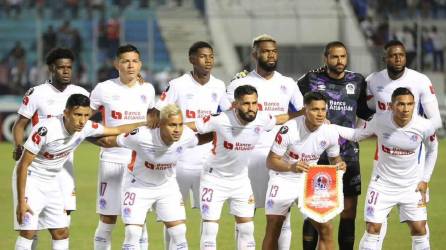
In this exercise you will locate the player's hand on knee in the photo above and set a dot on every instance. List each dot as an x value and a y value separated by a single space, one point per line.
341 166
17 153
22 209
422 188
240 74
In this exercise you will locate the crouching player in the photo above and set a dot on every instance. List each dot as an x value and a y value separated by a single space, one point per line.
37 195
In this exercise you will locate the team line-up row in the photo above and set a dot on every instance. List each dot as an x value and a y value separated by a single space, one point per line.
152 155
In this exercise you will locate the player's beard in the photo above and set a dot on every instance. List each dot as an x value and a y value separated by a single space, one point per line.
394 71
336 69
248 116
266 66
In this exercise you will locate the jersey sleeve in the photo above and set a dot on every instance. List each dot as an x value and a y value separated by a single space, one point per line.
37 139
230 91
297 100
356 134
431 142
151 95
206 124
169 96
304 84
225 103
334 149
129 140
269 121
429 103
369 94
363 111
190 137
93 129
282 140
96 97
29 104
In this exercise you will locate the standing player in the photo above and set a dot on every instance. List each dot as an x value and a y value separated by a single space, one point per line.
346 93
380 86
198 94
395 180
151 180
276 94
122 100
225 176
37 195
48 100
298 145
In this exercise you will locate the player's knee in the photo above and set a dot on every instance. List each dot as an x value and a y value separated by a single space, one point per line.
178 235
59 233
108 219
418 228
210 229
373 228
275 222
246 229
132 234
325 230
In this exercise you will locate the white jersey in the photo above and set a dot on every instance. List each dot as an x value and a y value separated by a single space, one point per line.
399 148
195 101
45 101
233 141
275 96
380 88
119 105
52 144
153 162
296 143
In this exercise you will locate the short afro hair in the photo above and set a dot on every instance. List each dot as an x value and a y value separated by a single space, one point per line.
199 45
59 53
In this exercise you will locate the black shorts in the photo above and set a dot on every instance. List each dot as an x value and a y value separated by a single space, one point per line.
351 179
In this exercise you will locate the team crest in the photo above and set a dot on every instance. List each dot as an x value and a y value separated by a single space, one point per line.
283 89
257 130
322 144
214 97
127 212
205 208
143 98
251 199
350 88
26 219
414 138
321 184
180 150
42 131
370 211
102 203
270 203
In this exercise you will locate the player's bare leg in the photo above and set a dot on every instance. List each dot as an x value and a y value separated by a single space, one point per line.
419 235
346 233
325 231
245 235
60 238
370 239
177 233
272 233
25 239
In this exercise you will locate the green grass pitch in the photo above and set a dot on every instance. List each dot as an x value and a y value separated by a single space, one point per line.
84 220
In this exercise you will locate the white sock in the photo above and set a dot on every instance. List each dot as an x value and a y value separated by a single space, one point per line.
166 239
132 236
178 237
208 239
285 234
61 244
23 243
102 236
144 239
420 242
369 241
245 237
382 235
35 241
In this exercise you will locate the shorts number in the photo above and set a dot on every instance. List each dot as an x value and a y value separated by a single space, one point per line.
206 194
273 191
103 188
373 197
129 198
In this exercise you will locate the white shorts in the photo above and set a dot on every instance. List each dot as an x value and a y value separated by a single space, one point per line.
44 197
189 180
67 183
108 201
137 199
215 191
380 201
282 193
259 176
